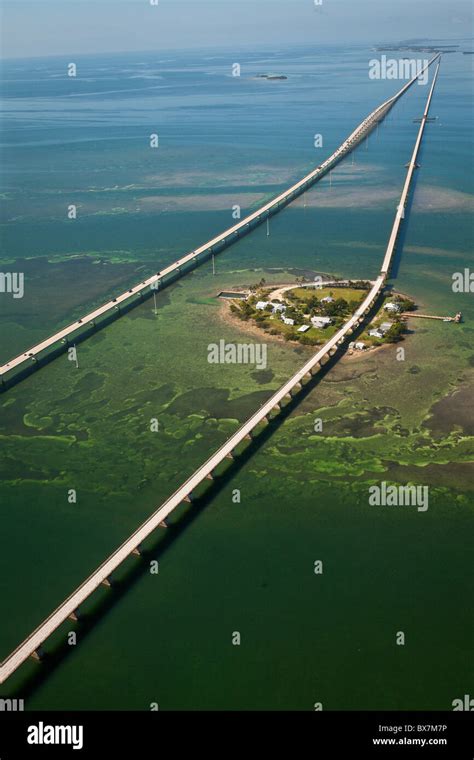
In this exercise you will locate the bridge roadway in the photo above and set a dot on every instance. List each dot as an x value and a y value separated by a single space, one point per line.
387 262
155 281
32 644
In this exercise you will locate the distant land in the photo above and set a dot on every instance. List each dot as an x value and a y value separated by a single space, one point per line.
422 45
271 76
418 48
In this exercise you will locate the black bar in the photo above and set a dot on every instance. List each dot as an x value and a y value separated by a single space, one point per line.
325 734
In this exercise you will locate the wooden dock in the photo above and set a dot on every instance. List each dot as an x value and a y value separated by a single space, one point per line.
457 318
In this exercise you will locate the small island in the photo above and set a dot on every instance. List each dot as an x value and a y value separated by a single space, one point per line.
271 76
310 313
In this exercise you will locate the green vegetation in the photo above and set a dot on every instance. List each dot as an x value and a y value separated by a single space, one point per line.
300 305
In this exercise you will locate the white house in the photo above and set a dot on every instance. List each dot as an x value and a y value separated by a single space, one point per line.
287 320
278 308
321 321
261 305
303 328
359 346
385 327
376 333
327 299
391 306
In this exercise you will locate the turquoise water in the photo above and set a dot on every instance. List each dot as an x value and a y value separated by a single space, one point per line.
246 567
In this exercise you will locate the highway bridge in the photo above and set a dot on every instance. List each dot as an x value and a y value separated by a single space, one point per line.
69 608
16 368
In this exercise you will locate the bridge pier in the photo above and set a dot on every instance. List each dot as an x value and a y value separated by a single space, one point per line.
163 524
138 551
74 616
38 654
230 456
107 582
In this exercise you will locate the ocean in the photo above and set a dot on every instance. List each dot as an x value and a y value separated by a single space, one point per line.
228 566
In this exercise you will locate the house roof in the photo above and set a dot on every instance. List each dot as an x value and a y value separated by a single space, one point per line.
325 320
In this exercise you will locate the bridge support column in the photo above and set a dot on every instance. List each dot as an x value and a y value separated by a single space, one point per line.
163 524
188 499
38 654
138 551
230 456
74 616
107 582
248 437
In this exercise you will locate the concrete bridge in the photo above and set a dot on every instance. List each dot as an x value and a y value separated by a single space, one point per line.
19 366
31 646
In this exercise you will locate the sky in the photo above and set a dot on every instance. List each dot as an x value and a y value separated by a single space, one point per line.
33 28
